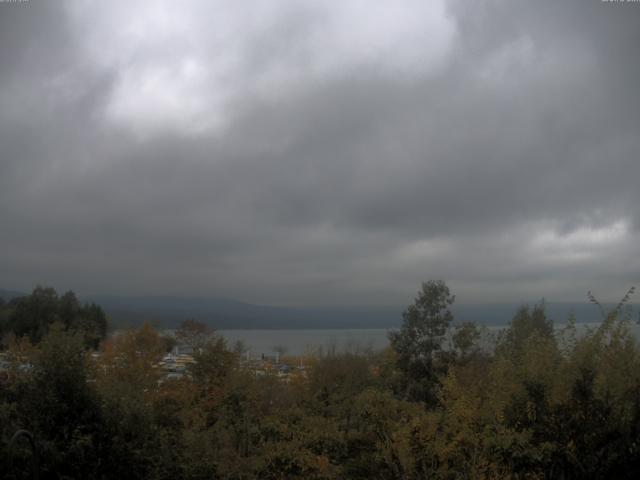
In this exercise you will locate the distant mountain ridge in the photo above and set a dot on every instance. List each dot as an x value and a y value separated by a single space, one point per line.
9 294
231 314
167 311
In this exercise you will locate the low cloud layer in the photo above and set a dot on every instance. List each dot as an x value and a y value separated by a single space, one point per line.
318 153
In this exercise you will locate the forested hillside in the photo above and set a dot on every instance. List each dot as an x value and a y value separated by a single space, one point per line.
437 403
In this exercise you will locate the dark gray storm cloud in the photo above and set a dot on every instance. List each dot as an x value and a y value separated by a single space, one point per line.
311 153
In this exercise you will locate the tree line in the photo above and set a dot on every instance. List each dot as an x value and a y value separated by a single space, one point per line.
443 401
32 315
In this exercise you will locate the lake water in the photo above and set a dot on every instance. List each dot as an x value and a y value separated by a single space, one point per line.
299 342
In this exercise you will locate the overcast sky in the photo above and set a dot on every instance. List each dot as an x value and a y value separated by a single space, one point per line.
315 152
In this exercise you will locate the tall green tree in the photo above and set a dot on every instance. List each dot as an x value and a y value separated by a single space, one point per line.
57 403
33 315
419 341
525 324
